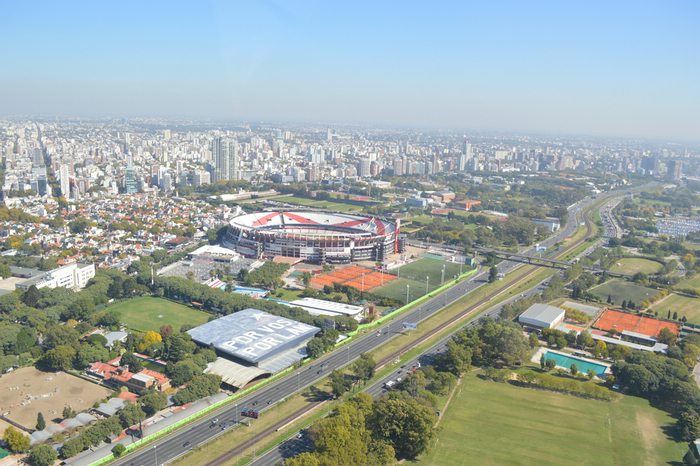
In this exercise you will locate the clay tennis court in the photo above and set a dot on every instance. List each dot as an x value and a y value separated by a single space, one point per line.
620 321
26 392
361 278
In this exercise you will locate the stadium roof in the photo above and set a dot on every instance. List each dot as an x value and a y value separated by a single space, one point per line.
309 220
253 335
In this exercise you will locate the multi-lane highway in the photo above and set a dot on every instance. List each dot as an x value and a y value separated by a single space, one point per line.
173 445
299 443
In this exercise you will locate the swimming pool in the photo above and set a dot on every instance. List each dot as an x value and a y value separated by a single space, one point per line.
565 361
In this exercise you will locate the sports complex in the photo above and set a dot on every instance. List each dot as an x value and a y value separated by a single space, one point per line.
314 236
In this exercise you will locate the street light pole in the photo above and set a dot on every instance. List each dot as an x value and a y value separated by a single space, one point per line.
427 281
408 287
155 452
442 282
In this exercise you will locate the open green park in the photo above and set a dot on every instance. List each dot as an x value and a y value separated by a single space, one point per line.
690 283
489 423
683 305
414 275
632 265
146 313
621 290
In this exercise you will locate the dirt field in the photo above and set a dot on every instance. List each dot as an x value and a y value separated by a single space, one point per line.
27 391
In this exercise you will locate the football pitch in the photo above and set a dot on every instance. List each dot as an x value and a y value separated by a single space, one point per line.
148 313
491 423
414 275
620 290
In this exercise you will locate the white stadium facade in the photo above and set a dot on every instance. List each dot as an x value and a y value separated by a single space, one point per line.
314 236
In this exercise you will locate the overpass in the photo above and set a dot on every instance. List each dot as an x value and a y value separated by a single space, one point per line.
543 261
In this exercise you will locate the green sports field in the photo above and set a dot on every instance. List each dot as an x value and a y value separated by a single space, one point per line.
621 290
632 265
692 282
684 306
490 423
148 313
335 205
414 274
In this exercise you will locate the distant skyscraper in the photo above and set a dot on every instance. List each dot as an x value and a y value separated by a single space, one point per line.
131 184
329 135
201 177
225 154
465 156
64 176
37 157
167 134
674 170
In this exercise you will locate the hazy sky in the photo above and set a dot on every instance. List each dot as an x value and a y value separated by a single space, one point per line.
587 67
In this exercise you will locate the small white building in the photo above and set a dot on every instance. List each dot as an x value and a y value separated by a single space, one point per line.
320 307
542 316
73 276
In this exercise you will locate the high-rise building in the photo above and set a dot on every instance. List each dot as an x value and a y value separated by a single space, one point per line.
674 170
201 177
64 176
167 134
225 154
465 156
329 135
131 184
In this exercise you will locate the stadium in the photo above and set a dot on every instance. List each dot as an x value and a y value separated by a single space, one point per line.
313 236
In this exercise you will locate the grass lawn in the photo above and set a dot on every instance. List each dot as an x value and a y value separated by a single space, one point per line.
621 290
489 423
336 205
633 265
148 313
692 282
688 307
414 274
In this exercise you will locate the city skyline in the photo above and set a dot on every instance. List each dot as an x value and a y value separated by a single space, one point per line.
626 70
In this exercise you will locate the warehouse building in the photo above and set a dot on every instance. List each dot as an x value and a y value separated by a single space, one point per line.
540 316
253 344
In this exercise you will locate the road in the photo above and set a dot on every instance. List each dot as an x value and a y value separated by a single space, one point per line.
299 442
179 442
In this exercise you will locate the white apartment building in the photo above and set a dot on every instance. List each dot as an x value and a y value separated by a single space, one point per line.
73 276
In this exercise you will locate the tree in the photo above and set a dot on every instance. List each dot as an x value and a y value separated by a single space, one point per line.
68 412
182 372
60 335
455 359
31 296
40 422
600 349
134 363
42 455
404 423
493 274
152 402
16 441
118 450
550 364
87 354
339 383
666 336
363 368
584 339
574 370
150 339
534 341
130 415
675 315
688 425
